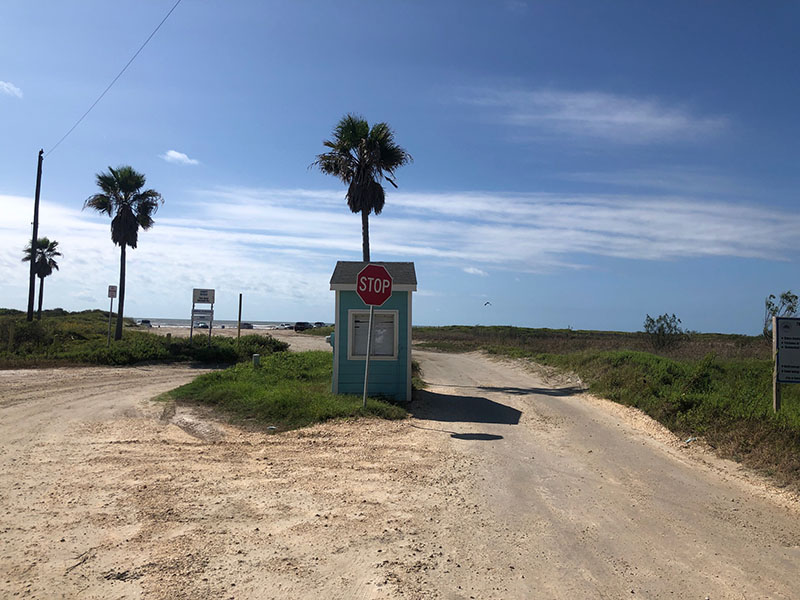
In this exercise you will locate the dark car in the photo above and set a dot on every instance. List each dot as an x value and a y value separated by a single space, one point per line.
302 326
247 325
319 324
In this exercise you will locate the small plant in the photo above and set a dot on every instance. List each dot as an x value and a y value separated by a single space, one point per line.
786 307
664 331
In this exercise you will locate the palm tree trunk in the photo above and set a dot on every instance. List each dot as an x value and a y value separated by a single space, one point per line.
41 297
365 233
121 305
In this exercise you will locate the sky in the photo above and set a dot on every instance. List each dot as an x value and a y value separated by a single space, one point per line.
576 164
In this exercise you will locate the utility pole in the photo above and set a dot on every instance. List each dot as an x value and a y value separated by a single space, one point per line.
32 282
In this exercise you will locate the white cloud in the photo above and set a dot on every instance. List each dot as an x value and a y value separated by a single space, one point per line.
593 115
279 246
173 156
10 89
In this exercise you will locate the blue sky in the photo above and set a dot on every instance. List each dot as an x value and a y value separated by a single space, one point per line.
575 163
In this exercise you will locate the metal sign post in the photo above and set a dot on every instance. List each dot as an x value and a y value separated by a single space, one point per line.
369 351
112 293
374 287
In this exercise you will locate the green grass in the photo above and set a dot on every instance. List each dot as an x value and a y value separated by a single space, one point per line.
64 338
724 395
288 390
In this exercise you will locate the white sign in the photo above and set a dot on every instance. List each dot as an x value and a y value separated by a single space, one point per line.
787 331
202 296
112 291
202 318
203 312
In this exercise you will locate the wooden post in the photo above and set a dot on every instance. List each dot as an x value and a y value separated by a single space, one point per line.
239 329
191 323
776 386
32 282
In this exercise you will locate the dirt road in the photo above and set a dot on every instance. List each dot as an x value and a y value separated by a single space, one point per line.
500 486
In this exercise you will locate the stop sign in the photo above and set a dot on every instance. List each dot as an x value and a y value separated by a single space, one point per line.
374 285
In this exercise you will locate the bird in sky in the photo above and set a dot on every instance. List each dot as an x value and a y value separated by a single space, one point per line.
487 303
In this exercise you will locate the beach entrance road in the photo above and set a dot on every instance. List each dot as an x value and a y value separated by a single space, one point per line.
503 484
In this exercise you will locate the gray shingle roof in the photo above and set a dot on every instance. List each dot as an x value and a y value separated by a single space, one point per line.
403 273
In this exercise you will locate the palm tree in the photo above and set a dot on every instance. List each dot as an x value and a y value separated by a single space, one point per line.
362 157
123 199
43 265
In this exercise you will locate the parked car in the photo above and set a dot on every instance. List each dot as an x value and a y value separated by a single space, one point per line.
302 326
285 326
201 325
145 323
319 324
247 325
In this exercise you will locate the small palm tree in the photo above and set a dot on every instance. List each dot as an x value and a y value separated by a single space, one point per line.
362 157
130 207
43 265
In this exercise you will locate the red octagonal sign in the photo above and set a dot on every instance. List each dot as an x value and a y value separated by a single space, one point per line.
374 285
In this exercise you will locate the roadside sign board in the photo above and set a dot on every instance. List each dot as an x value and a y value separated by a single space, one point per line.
112 291
201 318
203 312
374 285
787 331
201 296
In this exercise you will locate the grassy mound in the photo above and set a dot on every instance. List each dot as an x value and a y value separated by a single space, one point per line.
288 390
62 337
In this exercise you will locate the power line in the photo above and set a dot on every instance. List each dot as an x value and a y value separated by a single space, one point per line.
113 81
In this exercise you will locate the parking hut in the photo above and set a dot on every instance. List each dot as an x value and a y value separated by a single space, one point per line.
390 360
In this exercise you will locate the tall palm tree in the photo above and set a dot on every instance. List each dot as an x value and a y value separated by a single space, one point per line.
131 207
362 157
43 265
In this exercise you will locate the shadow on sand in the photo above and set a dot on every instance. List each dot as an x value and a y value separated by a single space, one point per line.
462 409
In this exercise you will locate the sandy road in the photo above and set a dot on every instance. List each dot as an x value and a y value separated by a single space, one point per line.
500 486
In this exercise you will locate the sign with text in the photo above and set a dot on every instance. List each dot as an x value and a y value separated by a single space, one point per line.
374 285
787 333
112 291
200 296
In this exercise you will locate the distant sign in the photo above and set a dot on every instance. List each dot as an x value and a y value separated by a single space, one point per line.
787 332
112 291
202 296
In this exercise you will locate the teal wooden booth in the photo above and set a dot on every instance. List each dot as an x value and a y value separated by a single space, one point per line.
390 360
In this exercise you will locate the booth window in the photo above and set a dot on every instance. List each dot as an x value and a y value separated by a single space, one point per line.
384 335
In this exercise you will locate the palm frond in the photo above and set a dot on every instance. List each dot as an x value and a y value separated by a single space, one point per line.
101 203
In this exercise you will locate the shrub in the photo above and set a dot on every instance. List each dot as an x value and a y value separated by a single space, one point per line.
664 331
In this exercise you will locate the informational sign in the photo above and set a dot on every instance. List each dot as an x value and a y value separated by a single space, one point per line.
202 315
787 344
200 296
112 291
374 285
